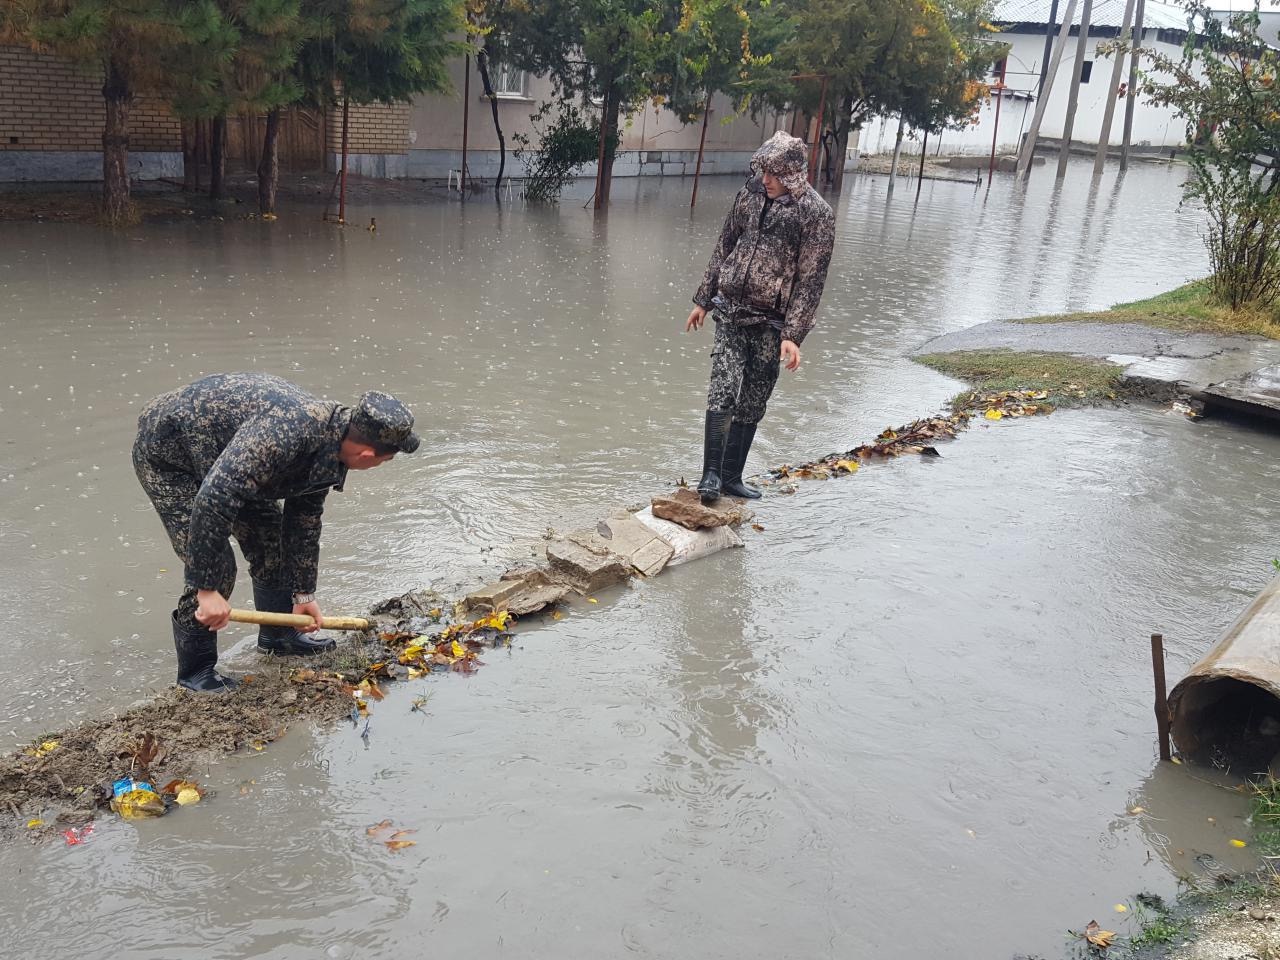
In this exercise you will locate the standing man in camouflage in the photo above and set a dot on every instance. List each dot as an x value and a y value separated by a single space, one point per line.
217 458
763 285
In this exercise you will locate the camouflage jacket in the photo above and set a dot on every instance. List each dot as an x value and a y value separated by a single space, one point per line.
250 436
772 263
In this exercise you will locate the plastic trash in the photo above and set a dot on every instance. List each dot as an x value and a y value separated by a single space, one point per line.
136 799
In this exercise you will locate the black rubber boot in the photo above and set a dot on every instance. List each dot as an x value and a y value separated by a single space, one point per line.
197 654
717 432
735 460
284 641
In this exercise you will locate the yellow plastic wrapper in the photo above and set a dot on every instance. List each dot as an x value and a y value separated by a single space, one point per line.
136 800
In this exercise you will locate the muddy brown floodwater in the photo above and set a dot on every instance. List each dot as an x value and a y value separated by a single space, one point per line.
907 721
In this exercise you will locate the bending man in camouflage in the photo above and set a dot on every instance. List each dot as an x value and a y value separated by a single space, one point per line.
217 458
763 283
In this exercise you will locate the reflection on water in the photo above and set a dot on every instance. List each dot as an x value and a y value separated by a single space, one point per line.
918 705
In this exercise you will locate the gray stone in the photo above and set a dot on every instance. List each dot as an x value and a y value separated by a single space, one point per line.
518 592
583 569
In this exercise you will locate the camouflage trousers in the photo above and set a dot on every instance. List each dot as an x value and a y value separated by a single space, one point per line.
744 369
257 529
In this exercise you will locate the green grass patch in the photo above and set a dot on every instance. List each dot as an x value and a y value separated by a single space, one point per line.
1069 380
1188 309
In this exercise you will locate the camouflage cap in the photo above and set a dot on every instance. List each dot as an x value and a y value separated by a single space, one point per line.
785 157
382 419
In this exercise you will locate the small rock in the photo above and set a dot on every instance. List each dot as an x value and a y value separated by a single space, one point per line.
1257 914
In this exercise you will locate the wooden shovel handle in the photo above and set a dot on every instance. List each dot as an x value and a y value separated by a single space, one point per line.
297 620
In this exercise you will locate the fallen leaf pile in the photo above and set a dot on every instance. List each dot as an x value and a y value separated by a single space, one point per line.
408 656
1095 936
920 436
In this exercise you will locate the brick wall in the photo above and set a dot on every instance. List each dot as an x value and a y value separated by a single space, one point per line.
372 128
48 104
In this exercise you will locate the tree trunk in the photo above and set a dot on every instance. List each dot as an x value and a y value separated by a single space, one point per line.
844 126
608 135
482 64
269 165
200 149
217 155
116 203
190 178
897 152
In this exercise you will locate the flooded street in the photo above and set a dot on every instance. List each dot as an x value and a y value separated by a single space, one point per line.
911 715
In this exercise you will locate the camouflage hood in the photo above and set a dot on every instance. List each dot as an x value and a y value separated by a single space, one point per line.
785 157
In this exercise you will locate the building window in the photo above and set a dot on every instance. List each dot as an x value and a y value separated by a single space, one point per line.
508 81
1086 68
998 68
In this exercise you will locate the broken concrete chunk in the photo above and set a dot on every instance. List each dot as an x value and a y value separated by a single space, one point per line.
685 508
533 597
519 593
628 538
583 569
689 544
493 596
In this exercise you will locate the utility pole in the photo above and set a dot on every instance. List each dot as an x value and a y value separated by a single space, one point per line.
1073 95
1131 94
1104 138
1048 46
1029 144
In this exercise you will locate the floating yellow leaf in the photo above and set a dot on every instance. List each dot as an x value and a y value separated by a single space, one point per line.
1176 760
457 649
32 824
1097 936
592 600
557 615
187 796
416 672
848 466
994 414
43 750
1238 843
1137 810
400 844
1121 908
494 621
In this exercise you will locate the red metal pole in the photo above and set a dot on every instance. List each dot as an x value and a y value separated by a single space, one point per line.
999 88
697 171
342 191
466 116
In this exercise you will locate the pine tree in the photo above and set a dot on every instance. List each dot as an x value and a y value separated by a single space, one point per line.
130 44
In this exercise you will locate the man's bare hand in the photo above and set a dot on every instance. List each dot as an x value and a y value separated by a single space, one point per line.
790 355
696 319
213 612
311 610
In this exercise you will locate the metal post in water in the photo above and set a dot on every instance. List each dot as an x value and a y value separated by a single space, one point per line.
999 88
1162 700
342 191
920 177
466 117
697 171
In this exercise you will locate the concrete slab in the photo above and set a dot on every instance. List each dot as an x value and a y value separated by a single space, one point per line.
628 538
1256 393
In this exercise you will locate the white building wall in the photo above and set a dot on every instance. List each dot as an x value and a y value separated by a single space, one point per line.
1153 127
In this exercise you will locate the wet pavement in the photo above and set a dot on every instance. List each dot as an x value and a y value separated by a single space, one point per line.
911 714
